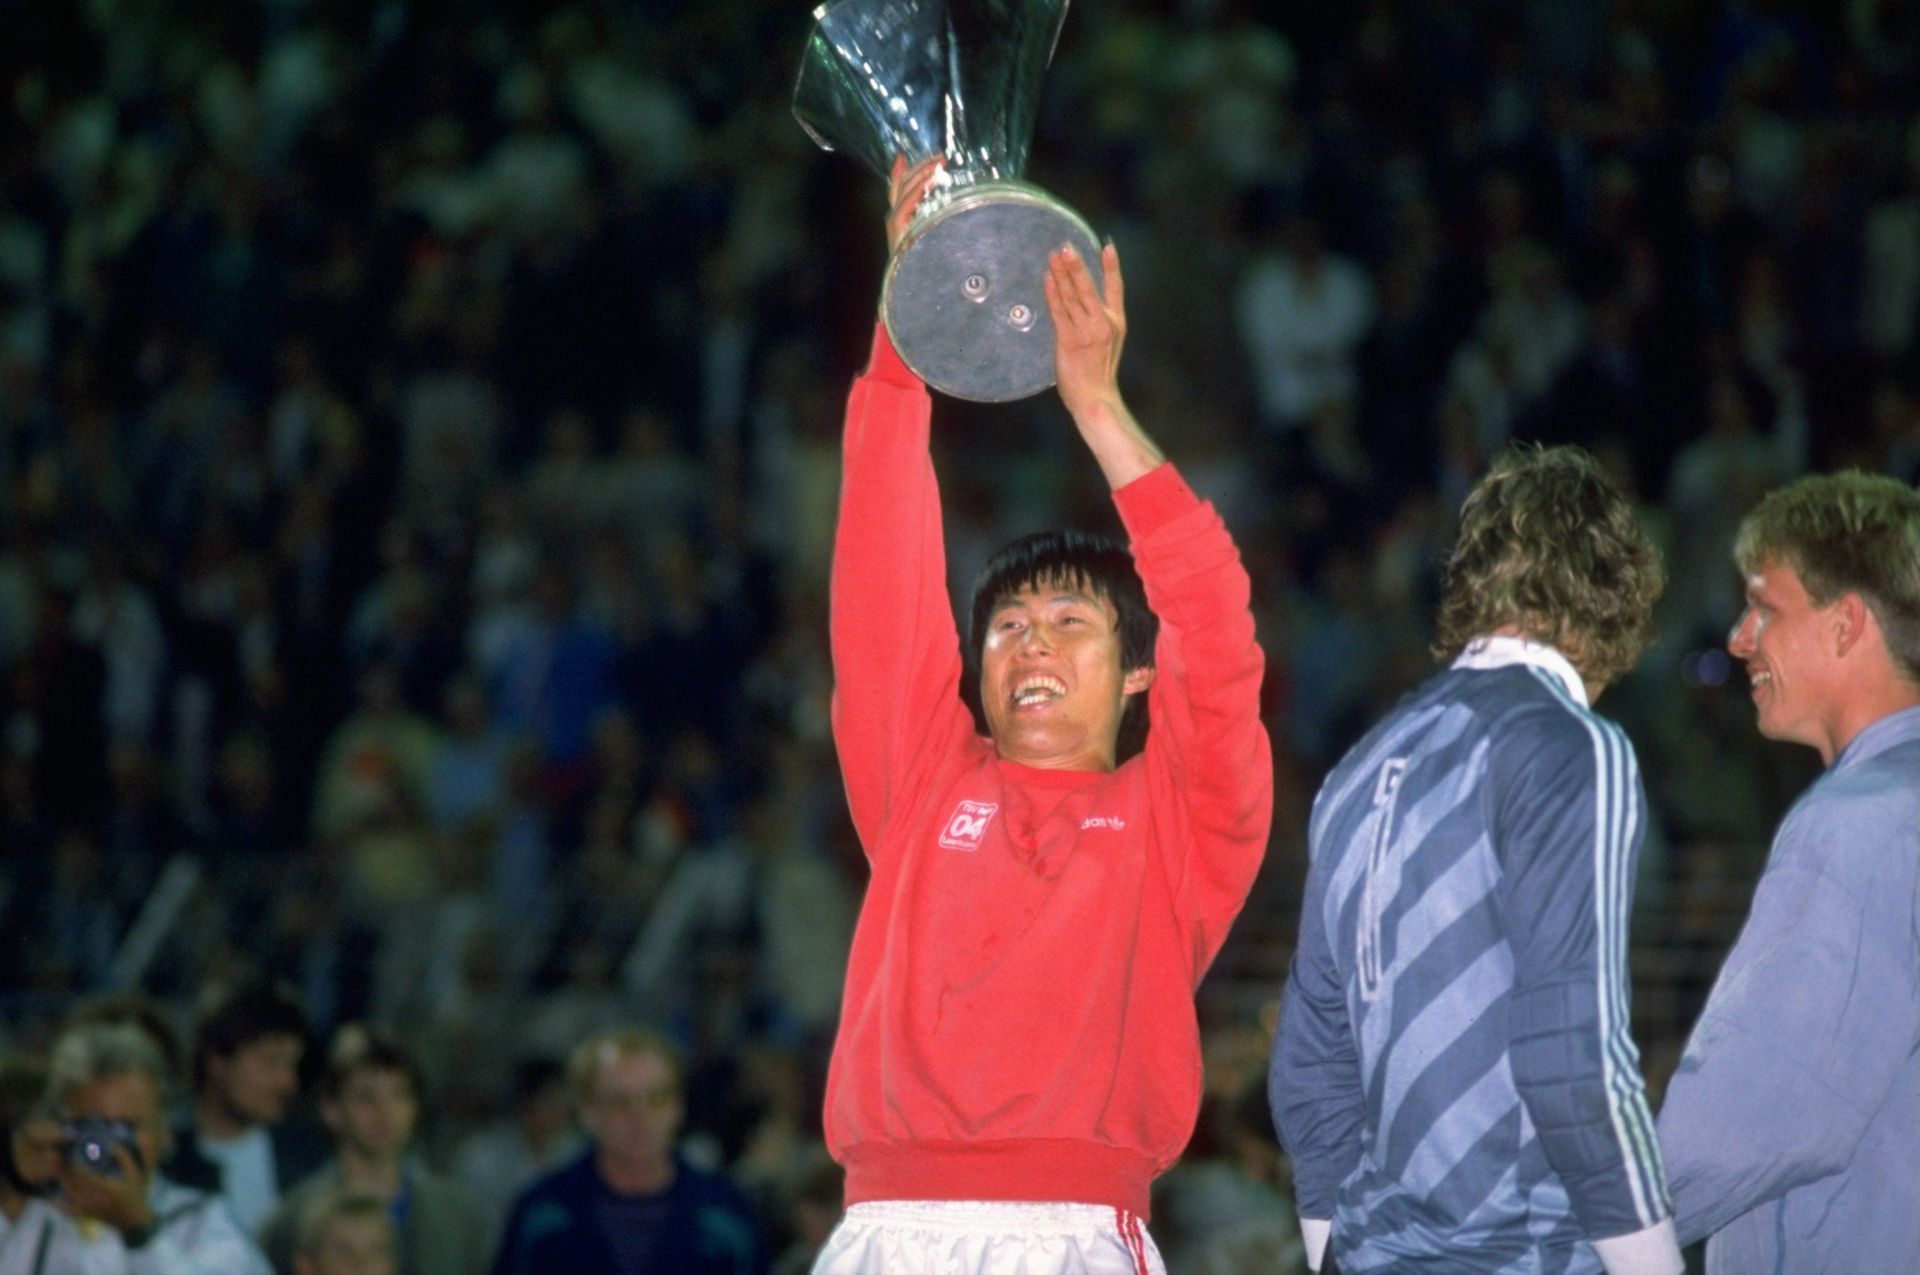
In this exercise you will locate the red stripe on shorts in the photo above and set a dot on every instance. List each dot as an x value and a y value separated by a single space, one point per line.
1129 1227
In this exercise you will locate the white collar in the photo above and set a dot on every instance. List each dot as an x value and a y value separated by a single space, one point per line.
1497 650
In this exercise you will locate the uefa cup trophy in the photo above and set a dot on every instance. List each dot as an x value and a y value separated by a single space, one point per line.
963 299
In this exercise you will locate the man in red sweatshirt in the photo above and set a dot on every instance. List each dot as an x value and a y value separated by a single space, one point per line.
1018 1056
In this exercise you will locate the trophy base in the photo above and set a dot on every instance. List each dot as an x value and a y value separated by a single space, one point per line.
964 300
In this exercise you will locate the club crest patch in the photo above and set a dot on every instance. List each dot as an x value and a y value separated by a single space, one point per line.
968 824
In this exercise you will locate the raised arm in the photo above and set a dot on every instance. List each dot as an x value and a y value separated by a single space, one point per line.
896 658
1205 742
1089 331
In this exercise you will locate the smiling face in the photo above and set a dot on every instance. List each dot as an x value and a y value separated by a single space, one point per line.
1791 648
1051 681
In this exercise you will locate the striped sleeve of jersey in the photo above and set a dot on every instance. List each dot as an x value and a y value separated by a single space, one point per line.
1313 1078
1567 825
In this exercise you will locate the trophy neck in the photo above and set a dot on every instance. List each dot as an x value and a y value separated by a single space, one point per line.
972 185
958 78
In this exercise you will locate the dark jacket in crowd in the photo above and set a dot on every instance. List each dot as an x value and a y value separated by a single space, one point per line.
700 1225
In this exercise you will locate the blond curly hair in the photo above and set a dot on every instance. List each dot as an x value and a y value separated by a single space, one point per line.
1549 545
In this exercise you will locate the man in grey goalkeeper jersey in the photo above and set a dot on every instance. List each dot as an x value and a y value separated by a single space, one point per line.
1793 1123
1453 1074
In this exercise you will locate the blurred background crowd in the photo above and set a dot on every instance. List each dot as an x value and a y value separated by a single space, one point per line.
418 428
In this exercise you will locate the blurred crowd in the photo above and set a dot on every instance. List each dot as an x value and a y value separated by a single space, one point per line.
418 433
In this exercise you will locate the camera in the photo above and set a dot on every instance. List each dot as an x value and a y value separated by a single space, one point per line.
88 1143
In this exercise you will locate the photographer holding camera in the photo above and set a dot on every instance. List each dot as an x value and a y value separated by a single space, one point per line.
118 1216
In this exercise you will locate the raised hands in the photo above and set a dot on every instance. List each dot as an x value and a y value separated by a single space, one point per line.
1089 330
1089 326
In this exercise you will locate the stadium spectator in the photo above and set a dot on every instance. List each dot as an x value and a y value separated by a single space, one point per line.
371 1100
238 1142
345 1234
1303 312
500 1160
109 1086
631 1204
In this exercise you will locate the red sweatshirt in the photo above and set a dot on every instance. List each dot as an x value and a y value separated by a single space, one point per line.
1019 1021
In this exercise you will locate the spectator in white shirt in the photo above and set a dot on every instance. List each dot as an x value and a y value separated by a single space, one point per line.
1303 312
117 1214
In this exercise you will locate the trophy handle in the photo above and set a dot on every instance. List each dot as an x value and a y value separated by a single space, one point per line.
964 298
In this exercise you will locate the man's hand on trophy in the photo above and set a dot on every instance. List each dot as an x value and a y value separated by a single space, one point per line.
906 187
1088 329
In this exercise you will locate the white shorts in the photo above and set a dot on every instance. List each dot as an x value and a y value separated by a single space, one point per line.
986 1237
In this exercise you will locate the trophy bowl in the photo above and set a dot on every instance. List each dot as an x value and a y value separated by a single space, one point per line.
964 299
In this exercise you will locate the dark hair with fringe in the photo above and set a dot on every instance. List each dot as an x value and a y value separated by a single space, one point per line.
358 1047
250 1012
1848 532
1100 565
1549 545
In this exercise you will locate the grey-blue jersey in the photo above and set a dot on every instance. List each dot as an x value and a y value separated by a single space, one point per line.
1454 1075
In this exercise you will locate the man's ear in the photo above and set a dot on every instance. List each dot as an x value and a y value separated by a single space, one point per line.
1137 680
1852 618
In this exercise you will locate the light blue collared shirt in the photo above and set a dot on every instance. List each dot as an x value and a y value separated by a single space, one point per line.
1792 1128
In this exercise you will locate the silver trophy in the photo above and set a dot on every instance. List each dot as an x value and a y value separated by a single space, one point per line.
963 297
